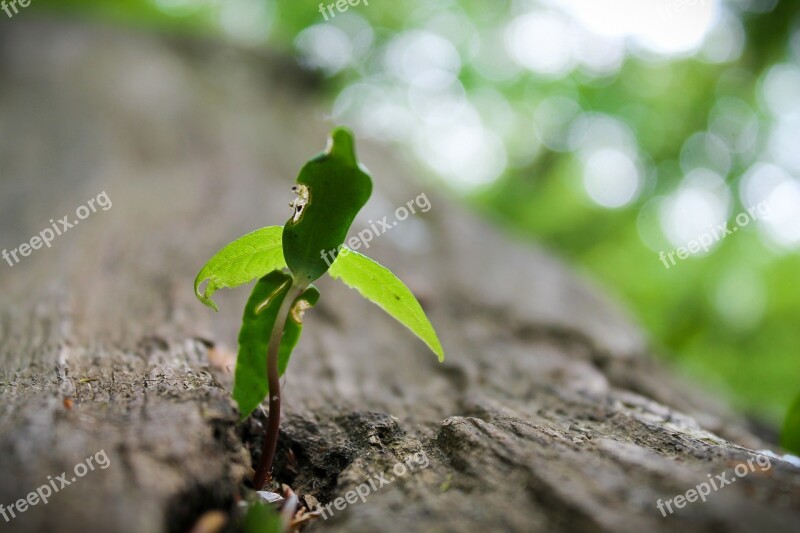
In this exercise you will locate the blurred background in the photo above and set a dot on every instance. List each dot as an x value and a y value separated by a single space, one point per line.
609 130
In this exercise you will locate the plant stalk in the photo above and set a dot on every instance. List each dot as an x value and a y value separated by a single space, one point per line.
264 470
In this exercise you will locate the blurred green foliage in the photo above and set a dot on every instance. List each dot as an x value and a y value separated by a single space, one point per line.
728 317
790 437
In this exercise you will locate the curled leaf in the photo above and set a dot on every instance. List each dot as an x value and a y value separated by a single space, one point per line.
245 259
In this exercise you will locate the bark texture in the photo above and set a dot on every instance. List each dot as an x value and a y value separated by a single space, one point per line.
549 413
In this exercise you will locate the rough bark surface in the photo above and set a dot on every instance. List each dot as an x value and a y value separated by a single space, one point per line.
549 414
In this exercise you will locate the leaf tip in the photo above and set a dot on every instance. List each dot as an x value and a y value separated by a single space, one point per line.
203 296
208 302
342 145
437 349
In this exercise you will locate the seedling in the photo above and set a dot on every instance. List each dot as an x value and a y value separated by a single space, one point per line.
331 189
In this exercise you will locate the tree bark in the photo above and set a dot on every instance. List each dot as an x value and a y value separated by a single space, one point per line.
549 413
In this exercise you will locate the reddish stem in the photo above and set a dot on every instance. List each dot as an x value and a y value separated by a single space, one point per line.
264 470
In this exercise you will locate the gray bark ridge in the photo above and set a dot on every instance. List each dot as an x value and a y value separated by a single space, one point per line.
549 414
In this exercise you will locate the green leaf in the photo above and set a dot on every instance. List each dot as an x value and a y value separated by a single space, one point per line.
790 436
262 518
245 259
332 188
377 284
250 382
